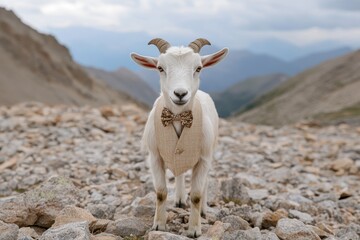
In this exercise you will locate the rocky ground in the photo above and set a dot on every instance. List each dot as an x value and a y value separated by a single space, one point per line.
78 173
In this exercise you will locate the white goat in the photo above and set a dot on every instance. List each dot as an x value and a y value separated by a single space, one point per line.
179 69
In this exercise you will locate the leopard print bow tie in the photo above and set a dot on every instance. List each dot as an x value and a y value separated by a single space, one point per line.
167 117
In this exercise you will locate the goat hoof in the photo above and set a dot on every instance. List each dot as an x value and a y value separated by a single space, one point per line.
194 233
159 227
179 204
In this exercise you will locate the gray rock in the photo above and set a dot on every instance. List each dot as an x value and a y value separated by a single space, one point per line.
234 190
289 229
269 236
352 232
106 236
213 191
157 235
128 226
15 210
145 207
102 211
304 217
258 194
8 231
74 231
236 222
250 234
47 200
27 233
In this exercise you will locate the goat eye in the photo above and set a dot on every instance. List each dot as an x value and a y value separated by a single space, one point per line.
160 69
198 69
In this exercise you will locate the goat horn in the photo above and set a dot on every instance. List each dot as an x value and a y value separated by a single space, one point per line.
161 44
198 44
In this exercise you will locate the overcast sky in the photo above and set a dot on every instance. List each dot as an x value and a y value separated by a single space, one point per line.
235 23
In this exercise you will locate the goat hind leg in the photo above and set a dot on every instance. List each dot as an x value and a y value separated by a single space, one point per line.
180 193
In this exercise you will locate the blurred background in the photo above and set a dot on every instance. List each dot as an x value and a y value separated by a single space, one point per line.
288 61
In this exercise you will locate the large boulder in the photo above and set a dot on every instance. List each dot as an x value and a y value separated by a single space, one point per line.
289 229
73 214
41 205
128 226
74 231
8 231
14 210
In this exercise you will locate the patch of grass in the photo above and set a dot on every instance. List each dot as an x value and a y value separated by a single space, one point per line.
19 190
343 114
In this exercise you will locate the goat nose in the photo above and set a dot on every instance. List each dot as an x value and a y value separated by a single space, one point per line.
180 93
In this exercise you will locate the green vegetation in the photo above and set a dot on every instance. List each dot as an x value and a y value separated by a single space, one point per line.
341 115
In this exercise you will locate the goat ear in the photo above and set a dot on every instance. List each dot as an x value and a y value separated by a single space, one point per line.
148 62
212 59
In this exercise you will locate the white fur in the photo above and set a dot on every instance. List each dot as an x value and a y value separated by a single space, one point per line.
179 65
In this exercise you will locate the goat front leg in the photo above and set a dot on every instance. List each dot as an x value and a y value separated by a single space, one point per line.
198 183
180 193
158 172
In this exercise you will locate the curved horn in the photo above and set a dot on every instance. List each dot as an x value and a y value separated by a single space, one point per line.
161 44
198 44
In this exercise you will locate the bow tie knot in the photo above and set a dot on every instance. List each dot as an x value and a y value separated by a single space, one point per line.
185 118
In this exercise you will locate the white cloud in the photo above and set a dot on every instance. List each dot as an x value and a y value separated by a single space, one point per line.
233 22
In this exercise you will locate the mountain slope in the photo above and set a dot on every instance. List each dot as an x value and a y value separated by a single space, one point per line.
241 65
35 67
126 81
328 93
241 94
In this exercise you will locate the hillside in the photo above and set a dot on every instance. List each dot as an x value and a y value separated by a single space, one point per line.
327 93
35 67
126 81
243 93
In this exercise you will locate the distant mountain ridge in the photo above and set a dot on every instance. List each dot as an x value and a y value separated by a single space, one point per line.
242 94
241 65
35 67
328 93
126 81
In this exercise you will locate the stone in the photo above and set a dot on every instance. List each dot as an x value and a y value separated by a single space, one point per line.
342 164
100 210
145 207
351 232
217 230
269 236
74 231
304 217
157 235
128 226
27 233
73 214
105 236
47 200
8 231
250 234
270 219
236 222
258 194
213 192
325 227
289 229
15 210
321 233
234 190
